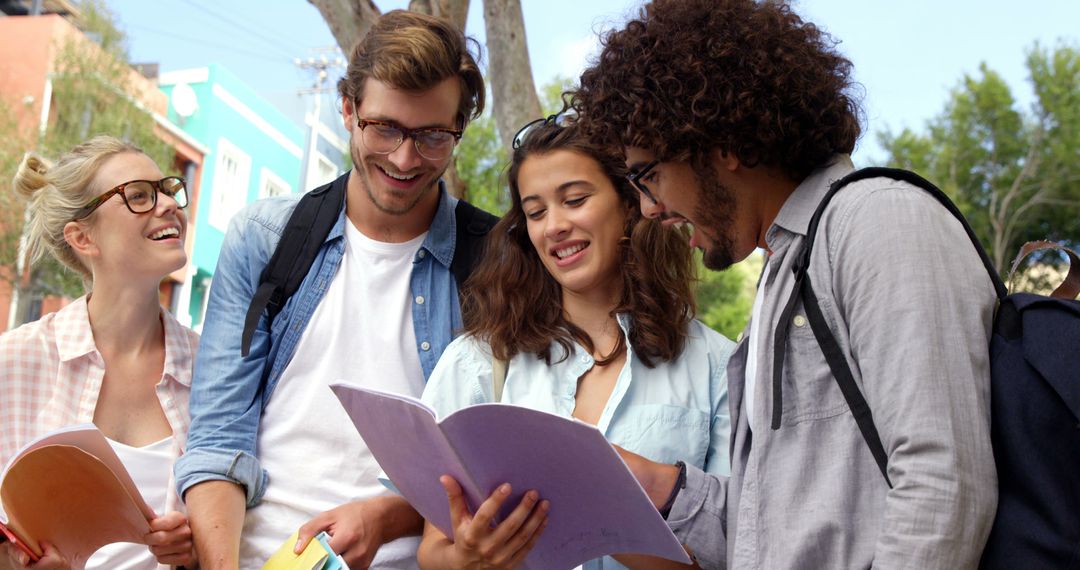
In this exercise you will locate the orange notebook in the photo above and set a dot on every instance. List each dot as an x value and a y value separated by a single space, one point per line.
70 489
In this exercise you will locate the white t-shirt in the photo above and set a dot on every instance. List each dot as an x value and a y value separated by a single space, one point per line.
150 468
752 349
361 332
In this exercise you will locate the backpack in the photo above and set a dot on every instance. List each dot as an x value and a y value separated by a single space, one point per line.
1034 391
305 232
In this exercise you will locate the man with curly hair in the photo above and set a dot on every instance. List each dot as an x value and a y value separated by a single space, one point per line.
735 116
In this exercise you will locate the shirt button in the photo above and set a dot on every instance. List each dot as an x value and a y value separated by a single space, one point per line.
799 320
425 346
421 254
419 299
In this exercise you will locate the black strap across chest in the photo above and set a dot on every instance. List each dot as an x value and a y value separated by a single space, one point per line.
308 227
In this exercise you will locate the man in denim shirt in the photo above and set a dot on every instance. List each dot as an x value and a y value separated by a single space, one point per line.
377 308
735 117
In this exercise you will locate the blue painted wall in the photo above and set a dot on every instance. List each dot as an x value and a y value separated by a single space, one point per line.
232 121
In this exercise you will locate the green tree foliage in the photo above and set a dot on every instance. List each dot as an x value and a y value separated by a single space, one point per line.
481 162
90 95
48 277
482 159
92 92
551 99
12 147
725 298
1015 174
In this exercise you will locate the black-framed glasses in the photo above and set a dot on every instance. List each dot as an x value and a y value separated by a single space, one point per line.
559 119
635 180
384 137
140 196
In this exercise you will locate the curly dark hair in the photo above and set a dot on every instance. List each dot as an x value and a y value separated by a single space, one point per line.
689 77
513 303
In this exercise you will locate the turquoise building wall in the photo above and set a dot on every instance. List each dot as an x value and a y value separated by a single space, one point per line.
255 150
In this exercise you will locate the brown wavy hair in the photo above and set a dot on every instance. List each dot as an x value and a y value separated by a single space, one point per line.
513 303
414 52
689 77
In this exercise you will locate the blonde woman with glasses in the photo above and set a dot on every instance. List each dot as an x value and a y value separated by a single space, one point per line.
113 357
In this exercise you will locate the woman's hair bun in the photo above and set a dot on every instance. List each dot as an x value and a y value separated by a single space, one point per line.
31 176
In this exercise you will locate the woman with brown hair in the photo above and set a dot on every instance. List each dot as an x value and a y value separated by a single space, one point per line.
113 357
589 307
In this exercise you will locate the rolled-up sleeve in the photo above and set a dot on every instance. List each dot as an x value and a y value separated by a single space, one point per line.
698 517
225 398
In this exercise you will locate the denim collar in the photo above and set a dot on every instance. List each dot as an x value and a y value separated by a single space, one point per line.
440 240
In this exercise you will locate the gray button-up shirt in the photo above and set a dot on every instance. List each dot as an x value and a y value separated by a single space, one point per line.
911 305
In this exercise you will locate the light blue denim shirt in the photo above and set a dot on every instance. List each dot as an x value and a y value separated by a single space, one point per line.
675 411
225 404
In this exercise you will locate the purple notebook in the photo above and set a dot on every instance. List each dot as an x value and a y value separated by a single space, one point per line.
597 506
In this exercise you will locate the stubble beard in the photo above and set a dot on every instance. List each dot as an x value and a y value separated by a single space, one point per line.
716 215
364 169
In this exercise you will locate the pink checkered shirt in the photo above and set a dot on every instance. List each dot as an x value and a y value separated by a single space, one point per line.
51 372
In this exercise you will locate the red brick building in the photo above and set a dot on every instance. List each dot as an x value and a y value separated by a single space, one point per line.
29 47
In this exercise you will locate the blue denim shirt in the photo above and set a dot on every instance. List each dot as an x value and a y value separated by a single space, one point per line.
226 406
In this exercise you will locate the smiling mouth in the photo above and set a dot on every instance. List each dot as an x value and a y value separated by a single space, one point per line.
165 234
568 251
399 177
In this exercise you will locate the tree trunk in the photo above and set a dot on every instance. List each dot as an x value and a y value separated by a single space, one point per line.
513 91
457 11
348 20
509 71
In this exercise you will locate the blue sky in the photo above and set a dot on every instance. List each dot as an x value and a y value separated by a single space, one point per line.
907 55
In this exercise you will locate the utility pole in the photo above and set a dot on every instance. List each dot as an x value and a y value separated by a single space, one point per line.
324 60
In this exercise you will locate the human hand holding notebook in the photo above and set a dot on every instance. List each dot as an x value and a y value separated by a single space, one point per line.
317 555
596 506
69 488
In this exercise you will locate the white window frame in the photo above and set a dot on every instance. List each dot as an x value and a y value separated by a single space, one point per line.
271 185
322 171
230 188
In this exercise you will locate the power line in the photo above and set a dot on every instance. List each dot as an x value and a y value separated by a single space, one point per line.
274 42
321 65
203 41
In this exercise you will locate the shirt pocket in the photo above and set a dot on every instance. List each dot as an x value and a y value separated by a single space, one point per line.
809 390
664 433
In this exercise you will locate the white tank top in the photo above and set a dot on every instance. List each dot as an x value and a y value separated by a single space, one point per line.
150 468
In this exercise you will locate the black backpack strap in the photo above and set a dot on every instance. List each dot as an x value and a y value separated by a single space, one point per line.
829 346
473 224
838 365
305 232
914 180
